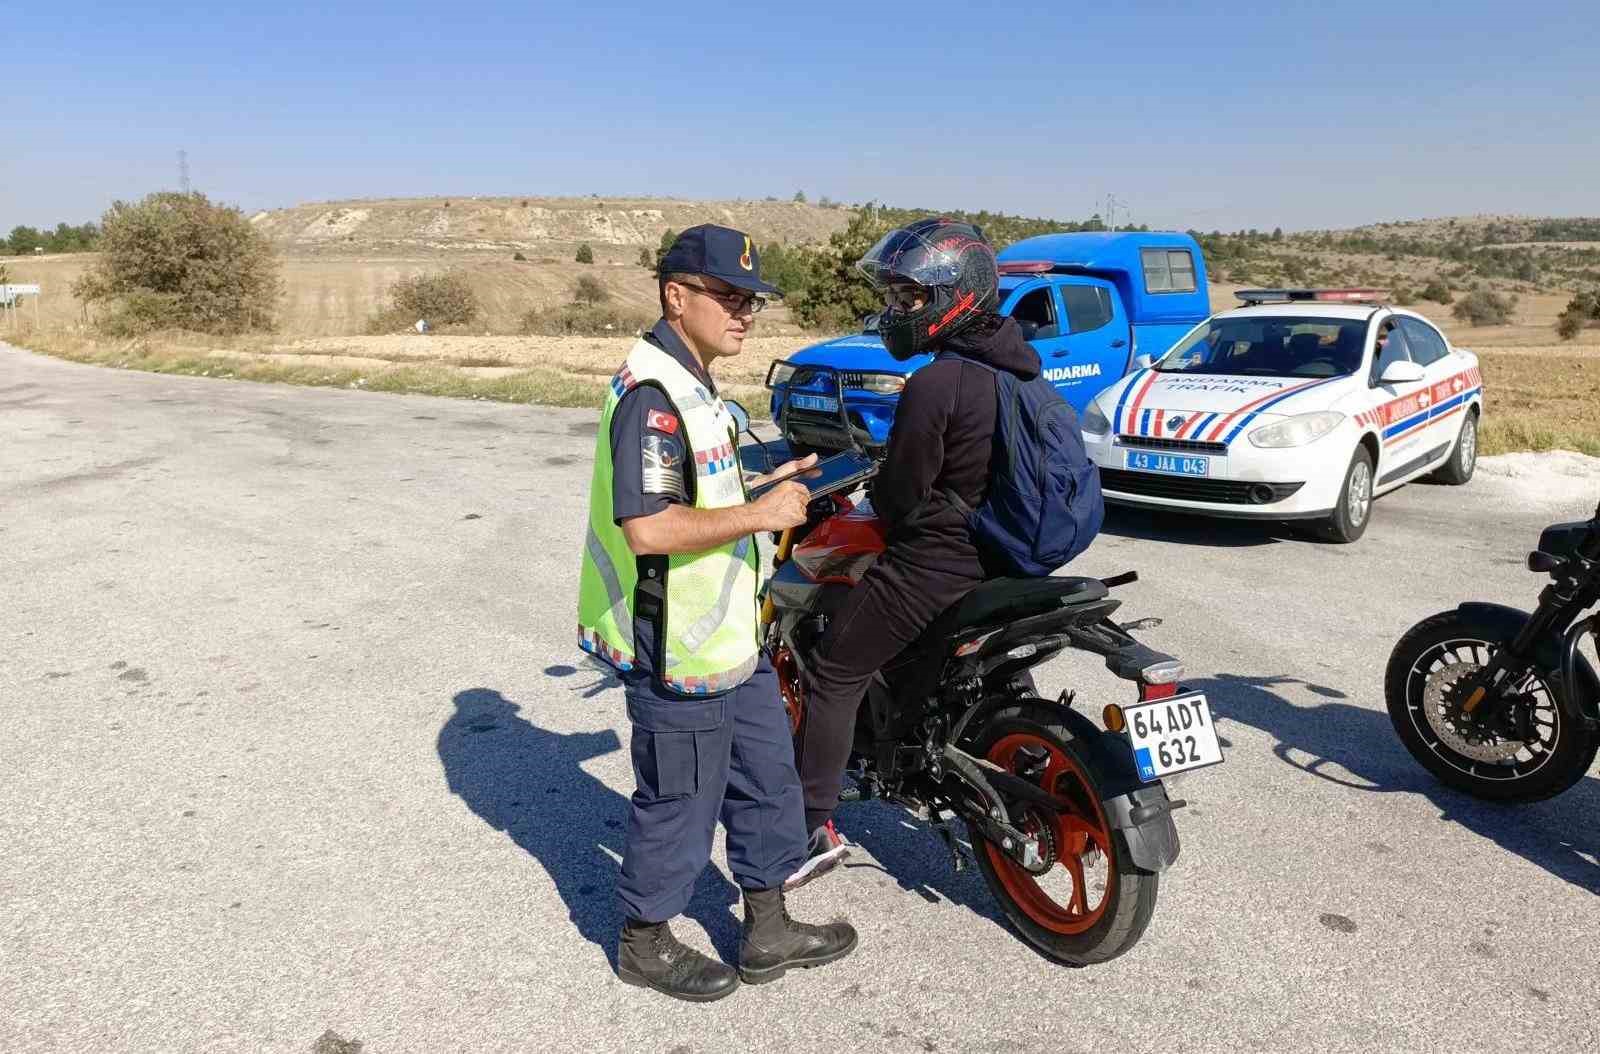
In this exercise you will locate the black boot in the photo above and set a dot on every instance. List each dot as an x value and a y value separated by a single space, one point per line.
773 941
648 955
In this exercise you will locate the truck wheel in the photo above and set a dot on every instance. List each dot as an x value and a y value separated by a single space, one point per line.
1354 510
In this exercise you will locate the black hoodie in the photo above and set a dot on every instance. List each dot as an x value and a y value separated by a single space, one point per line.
943 439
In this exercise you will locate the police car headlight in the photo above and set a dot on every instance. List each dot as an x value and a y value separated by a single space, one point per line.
1297 431
1094 420
779 374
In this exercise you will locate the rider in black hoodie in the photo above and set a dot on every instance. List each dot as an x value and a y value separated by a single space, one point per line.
940 288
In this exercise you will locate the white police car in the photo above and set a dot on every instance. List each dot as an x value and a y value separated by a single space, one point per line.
1302 405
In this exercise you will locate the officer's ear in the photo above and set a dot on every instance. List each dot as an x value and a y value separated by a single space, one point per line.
673 296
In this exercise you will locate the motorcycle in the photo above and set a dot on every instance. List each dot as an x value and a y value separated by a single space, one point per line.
1498 702
1070 824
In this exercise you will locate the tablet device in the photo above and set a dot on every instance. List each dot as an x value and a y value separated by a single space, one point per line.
831 474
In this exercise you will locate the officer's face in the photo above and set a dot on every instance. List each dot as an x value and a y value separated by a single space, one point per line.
715 327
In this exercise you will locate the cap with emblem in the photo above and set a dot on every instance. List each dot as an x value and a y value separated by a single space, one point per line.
720 252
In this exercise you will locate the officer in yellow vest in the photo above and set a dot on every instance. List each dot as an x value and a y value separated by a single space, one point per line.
668 597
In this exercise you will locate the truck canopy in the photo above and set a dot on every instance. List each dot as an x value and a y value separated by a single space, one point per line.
1160 275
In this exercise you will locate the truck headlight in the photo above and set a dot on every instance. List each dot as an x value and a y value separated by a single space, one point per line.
876 383
1298 430
1094 421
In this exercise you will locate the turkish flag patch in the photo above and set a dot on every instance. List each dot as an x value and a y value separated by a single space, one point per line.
661 422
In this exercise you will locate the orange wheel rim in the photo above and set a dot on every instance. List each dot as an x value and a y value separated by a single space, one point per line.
1080 829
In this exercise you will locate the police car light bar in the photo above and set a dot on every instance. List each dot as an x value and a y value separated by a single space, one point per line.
1346 296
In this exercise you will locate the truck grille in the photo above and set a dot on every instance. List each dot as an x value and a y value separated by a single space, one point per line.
1188 488
1186 445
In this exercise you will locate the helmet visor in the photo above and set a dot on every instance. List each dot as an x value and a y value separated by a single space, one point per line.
909 256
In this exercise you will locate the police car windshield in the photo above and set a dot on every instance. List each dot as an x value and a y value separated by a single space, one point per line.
1276 346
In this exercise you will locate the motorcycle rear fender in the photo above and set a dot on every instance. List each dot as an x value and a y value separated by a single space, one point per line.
1140 810
1508 622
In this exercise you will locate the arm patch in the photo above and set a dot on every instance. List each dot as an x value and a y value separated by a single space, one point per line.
661 465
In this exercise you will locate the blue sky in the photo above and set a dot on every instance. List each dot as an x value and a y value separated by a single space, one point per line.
1307 115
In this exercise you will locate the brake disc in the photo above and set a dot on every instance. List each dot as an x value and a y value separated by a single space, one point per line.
1442 709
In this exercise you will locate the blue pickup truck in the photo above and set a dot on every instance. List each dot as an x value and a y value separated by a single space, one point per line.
1090 303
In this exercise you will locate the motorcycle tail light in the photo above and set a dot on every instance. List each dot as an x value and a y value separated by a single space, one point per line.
1148 692
1165 672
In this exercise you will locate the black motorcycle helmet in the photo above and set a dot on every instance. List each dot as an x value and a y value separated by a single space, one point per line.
952 262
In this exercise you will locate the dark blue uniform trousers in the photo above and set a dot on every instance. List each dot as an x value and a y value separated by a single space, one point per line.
697 760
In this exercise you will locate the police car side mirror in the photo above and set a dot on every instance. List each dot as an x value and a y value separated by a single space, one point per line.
1402 372
1142 361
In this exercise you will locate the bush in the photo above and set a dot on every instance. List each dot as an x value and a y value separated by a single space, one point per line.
583 320
1484 307
646 260
589 291
1437 291
1568 325
178 260
443 299
585 254
517 256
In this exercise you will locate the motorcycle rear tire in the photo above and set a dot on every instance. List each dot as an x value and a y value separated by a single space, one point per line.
1129 900
1570 755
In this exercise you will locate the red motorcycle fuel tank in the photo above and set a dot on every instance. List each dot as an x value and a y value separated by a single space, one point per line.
843 546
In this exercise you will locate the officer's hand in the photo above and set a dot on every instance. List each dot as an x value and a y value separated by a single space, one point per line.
782 507
788 467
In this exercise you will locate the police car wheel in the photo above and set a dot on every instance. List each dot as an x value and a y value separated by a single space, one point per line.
1464 458
1354 510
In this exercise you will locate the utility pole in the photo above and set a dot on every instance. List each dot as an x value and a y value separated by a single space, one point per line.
183 171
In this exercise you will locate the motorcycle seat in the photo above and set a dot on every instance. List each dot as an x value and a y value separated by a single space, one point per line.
1009 599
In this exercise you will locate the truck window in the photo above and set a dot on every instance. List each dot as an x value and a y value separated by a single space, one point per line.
1088 307
1036 315
1168 270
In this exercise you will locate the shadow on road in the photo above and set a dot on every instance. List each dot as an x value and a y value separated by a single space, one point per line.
1559 835
1213 533
529 782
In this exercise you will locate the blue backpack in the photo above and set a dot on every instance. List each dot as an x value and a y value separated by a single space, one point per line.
1044 505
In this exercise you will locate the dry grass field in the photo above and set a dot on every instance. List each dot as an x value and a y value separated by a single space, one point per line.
340 258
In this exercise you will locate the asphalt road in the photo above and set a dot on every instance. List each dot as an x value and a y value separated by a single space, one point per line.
296 739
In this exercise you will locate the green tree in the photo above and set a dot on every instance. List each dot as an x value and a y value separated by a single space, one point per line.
176 259
585 254
667 238
24 240
800 197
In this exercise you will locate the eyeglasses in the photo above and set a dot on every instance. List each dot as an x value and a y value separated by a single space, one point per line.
733 303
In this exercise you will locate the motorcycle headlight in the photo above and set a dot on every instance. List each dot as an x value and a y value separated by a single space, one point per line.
1298 430
1094 421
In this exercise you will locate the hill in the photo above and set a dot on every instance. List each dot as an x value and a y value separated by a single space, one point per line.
555 227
